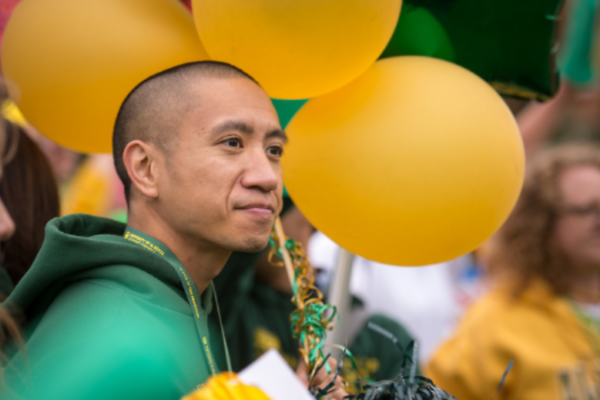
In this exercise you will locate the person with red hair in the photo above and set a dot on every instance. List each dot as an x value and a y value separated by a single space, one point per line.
544 312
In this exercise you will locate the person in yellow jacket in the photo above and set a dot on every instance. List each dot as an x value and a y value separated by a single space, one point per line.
544 312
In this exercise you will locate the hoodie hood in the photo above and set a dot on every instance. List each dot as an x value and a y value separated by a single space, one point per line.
77 247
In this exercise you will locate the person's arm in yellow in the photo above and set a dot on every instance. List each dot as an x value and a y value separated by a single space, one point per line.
470 365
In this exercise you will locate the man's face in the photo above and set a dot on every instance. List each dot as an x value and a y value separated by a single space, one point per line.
577 232
220 185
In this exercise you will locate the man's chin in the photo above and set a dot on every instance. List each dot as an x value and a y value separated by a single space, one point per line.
252 245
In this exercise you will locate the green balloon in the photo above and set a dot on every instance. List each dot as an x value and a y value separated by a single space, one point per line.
286 109
509 43
419 33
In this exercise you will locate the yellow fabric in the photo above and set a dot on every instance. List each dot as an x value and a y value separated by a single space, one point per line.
88 192
553 352
226 386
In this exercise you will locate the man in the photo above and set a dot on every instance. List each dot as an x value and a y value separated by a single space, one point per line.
257 317
120 312
545 311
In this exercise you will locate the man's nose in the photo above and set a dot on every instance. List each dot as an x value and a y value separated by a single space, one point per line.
7 225
260 172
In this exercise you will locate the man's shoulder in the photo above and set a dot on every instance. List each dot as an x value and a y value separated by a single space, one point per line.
80 357
113 301
101 316
109 291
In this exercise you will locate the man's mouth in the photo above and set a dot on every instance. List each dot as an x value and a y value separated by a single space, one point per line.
259 209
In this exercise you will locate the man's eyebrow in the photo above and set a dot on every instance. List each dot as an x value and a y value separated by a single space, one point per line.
243 127
278 133
233 126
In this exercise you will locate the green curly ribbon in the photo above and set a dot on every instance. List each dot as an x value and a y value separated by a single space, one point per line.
348 353
290 245
309 321
309 324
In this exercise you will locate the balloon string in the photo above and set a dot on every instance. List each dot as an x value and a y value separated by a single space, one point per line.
279 237
309 320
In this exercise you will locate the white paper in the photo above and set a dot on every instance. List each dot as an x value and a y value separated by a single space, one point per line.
274 376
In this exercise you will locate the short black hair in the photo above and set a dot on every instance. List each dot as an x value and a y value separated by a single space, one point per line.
147 111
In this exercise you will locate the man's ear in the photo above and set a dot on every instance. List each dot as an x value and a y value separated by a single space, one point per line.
140 161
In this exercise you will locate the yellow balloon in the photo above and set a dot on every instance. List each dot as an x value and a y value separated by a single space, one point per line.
297 49
70 63
226 386
416 162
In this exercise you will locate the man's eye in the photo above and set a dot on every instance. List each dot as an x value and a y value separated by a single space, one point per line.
275 151
233 142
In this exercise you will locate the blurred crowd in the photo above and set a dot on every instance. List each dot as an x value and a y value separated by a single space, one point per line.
530 294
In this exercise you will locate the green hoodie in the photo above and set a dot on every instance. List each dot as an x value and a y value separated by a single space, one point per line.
111 314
